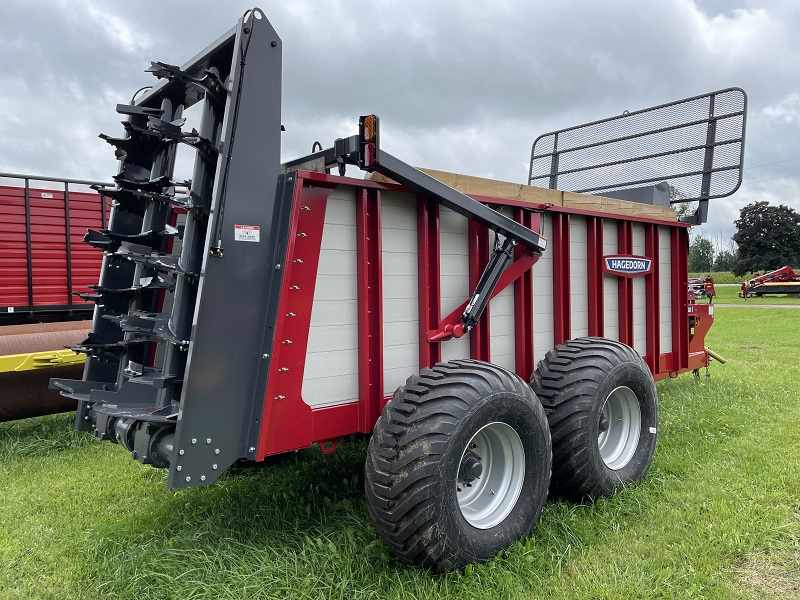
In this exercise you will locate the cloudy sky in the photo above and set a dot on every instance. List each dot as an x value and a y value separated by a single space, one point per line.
460 86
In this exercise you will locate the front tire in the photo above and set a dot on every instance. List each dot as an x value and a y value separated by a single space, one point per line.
458 465
601 403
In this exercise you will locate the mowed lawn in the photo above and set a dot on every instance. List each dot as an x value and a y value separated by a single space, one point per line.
729 294
718 516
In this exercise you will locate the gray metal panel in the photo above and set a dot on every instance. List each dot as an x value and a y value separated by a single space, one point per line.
224 383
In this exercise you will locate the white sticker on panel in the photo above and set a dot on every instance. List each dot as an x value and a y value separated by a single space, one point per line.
246 233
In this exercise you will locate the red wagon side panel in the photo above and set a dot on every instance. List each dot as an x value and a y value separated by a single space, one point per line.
44 257
374 274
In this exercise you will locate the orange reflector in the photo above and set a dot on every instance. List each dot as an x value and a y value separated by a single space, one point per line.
369 123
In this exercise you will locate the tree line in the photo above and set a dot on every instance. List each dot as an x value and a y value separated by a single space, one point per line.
767 237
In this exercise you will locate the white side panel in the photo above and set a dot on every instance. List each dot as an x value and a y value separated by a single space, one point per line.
665 288
578 277
331 373
454 277
610 289
400 289
501 328
639 295
543 297
501 319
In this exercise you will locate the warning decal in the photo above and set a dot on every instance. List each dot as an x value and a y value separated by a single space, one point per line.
246 233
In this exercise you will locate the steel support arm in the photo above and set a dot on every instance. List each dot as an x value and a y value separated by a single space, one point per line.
348 150
419 182
364 151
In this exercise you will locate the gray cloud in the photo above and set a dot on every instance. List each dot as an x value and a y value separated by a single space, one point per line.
460 86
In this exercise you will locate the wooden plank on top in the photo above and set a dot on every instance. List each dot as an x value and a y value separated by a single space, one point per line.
618 207
479 186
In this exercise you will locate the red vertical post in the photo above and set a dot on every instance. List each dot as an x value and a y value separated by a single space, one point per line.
679 255
562 325
370 307
594 255
479 337
653 302
428 274
523 304
625 285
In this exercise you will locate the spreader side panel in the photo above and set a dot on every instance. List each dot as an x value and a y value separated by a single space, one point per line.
543 324
331 367
579 277
639 295
454 261
400 289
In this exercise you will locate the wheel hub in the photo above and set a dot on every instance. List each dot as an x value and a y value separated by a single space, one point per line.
471 467
603 426
490 475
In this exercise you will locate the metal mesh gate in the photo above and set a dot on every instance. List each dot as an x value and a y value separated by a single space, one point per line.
696 144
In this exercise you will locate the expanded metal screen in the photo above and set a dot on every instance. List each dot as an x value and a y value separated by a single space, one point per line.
696 144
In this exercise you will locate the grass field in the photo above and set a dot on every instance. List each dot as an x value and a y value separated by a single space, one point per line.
718 516
730 295
724 276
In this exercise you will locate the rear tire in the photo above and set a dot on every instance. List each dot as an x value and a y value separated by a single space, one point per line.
458 465
602 406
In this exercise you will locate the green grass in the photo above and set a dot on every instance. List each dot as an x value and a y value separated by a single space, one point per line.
717 517
729 295
724 276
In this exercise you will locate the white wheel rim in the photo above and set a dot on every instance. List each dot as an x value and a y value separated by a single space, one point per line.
489 498
622 418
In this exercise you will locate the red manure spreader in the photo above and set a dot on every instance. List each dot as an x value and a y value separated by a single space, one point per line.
486 334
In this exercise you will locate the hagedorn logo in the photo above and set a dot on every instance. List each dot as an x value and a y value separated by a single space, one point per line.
627 265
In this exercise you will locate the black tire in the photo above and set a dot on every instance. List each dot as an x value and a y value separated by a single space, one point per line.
414 463
574 381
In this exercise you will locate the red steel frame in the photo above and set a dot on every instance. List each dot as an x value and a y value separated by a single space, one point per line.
289 423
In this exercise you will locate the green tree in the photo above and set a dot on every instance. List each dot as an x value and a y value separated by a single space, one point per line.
725 261
676 199
701 255
768 237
